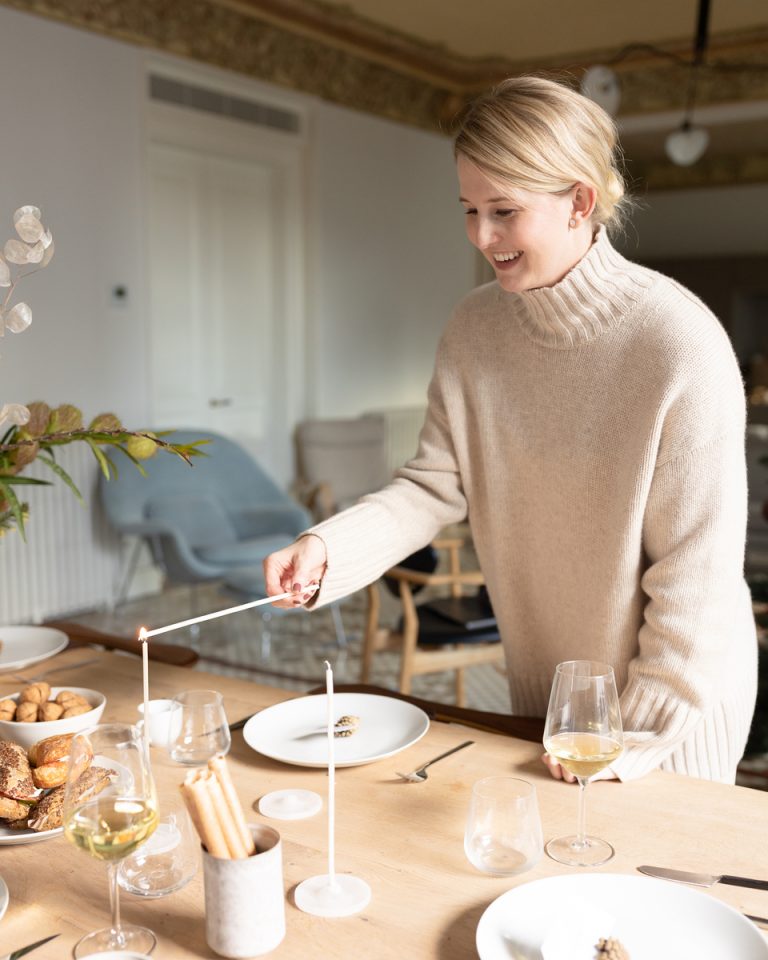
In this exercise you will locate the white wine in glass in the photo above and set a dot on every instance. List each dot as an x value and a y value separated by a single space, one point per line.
583 733
109 810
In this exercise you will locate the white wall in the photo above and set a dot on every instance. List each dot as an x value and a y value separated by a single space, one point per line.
386 252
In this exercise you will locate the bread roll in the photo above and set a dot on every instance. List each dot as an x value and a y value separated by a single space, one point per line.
50 760
47 815
12 809
15 775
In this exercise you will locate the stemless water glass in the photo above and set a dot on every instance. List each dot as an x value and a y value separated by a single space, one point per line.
503 832
201 730
110 807
583 733
168 860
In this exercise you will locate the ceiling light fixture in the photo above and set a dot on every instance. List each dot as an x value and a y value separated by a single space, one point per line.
688 143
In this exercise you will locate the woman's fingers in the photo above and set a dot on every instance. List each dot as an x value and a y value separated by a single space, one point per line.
558 772
296 569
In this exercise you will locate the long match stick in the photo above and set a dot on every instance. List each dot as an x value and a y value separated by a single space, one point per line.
312 588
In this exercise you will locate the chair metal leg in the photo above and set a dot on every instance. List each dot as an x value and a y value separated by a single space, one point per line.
126 578
266 635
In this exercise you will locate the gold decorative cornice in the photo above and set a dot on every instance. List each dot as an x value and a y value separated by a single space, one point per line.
710 171
324 49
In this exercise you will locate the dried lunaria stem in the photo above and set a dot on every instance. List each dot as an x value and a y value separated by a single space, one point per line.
215 811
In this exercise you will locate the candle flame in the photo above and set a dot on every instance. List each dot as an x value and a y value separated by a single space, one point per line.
143 635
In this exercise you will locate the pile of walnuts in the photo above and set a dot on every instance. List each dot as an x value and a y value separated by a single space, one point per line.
34 704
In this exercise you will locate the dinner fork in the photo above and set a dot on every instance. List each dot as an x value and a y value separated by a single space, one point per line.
420 775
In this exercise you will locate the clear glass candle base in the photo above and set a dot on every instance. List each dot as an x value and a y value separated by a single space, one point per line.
132 940
573 852
339 895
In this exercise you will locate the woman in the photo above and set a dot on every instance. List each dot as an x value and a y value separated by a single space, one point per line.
587 415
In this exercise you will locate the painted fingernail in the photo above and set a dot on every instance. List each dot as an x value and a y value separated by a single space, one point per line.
296 587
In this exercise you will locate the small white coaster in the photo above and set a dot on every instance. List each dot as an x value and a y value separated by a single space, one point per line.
290 804
340 896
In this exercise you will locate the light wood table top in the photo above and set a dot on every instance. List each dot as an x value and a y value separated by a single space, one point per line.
405 840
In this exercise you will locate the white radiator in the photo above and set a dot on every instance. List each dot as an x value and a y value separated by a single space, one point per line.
71 558
403 427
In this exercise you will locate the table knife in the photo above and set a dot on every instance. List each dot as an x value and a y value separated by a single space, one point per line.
23 951
703 879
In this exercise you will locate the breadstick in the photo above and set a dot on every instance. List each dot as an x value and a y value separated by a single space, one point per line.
226 822
218 766
210 831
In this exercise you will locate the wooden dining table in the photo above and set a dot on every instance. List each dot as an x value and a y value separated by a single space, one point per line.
404 839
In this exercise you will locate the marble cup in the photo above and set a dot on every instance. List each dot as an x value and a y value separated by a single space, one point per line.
245 900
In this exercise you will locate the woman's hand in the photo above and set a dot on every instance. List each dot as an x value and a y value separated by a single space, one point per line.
560 773
294 569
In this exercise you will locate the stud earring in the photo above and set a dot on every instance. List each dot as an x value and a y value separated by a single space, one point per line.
572 223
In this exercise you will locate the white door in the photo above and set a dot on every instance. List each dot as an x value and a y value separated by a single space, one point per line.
223 312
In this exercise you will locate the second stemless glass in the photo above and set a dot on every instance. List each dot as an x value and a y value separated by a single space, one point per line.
583 733
201 730
110 807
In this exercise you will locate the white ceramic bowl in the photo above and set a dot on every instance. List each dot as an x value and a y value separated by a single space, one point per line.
27 734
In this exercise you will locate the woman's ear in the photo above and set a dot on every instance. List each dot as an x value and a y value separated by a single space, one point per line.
583 199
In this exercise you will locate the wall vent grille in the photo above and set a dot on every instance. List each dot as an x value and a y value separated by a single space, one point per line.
223 104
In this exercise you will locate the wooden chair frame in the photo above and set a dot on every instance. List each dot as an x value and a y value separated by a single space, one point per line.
416 660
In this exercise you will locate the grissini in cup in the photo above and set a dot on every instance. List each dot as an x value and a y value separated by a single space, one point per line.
216 813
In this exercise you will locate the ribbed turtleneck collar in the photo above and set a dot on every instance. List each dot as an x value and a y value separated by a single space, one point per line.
592 297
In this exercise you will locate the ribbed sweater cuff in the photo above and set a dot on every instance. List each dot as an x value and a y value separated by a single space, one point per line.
654 726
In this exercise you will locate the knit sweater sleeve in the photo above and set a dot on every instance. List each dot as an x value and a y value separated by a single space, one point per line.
367 539
694 540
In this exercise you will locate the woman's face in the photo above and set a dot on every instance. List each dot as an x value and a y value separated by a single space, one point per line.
527 237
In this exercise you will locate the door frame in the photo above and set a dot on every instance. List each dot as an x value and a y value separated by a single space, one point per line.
191 129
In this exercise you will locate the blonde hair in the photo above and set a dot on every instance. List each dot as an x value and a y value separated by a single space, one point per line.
540 135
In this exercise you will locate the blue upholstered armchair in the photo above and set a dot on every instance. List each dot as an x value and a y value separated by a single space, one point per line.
205 521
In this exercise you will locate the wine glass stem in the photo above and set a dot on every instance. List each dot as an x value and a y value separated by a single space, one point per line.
581 830
118 939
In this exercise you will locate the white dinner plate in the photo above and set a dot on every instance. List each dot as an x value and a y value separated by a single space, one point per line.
653 919
8 836
294 731
22 646
4 897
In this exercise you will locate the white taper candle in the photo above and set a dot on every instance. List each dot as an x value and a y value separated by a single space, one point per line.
331 773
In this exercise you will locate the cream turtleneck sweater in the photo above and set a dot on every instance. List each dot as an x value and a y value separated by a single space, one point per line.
593 433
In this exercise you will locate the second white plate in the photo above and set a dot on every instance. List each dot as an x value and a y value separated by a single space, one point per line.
22 646
294 731
4 897
8 836
651 918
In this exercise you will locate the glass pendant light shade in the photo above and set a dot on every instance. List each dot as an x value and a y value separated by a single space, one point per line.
601 84
687 144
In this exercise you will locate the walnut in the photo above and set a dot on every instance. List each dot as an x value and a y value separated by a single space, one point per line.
7 709
69 699
26 712
75 710
50 710
35 692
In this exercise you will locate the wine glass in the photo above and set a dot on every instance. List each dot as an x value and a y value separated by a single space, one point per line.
200 729
110 807
583 733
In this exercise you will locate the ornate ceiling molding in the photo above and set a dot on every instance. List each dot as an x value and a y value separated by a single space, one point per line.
323 49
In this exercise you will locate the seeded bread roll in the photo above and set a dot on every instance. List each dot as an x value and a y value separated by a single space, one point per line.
47 815
35 692
15 774
12 809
